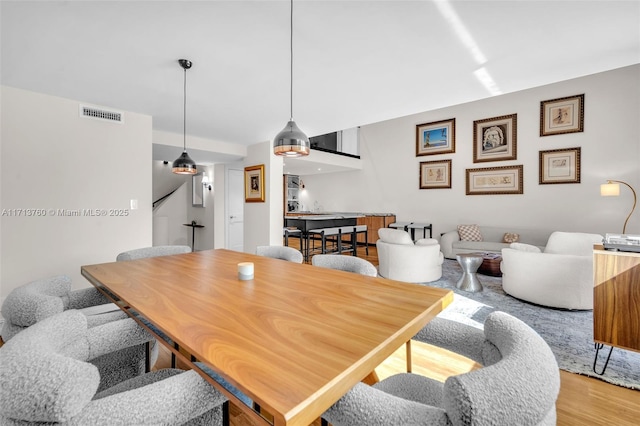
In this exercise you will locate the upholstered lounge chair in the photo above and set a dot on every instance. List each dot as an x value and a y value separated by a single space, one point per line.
518 384
46 378
561 276
280 252
345 263
35 301
400 259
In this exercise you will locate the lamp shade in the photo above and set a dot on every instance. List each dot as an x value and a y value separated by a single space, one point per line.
184 165
610 189
291 142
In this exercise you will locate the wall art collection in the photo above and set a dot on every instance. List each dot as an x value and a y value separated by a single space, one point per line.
496 139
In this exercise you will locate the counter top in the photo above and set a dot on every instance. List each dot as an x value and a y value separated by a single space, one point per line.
339 214
325 216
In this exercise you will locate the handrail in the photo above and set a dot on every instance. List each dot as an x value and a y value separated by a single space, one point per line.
162 198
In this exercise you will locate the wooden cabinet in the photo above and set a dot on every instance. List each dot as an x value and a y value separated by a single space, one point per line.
373 224
616 298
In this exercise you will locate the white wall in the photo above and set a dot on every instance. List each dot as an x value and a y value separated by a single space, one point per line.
195 144
53 159
350 141
219 208
173 212
389 180
169 217
202 215
263 222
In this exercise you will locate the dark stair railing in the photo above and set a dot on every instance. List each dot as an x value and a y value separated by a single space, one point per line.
163 197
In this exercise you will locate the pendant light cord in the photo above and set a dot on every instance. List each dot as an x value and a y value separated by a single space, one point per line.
184 112
291 63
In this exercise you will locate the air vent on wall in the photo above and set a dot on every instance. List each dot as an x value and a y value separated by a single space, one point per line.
101 114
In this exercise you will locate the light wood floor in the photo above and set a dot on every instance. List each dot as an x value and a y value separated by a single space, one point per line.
582 401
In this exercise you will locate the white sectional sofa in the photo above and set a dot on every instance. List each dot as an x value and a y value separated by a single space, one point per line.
492 240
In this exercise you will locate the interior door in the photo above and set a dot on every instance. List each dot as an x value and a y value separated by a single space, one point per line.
235 209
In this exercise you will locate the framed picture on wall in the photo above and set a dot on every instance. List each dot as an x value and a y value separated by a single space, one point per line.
438 137
495 139
562 115
435 174
560 166
254 184
495 180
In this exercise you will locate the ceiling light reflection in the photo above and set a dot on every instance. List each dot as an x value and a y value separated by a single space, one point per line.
450 15
487 81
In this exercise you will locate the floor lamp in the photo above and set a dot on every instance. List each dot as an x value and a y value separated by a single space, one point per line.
612 189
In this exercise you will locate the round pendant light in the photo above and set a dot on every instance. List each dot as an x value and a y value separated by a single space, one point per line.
291 141
184 165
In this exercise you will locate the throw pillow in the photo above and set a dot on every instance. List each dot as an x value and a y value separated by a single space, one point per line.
469 233
510 237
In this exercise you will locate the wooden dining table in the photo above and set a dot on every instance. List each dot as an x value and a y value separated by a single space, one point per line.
293 339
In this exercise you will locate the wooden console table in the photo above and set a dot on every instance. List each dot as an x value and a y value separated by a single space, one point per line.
616 300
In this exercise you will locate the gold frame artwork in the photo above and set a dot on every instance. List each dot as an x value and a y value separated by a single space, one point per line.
562 115
495 180
254 184
444 137
495 139
435 174
560 166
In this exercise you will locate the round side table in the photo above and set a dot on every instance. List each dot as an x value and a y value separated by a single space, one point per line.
469 279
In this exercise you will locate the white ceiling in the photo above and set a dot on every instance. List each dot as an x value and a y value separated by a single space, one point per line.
355 62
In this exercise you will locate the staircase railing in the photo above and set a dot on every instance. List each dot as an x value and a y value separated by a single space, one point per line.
163 198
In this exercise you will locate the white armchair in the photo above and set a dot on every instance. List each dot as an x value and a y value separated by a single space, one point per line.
561 276
400 259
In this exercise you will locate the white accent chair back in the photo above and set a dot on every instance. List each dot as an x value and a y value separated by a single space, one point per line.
280 252
561 276
402 260
146 252
345 263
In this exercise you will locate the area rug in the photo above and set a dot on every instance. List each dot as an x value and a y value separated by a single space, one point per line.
568 333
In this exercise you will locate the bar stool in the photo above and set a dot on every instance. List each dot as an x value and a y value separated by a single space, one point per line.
362 229
293 233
